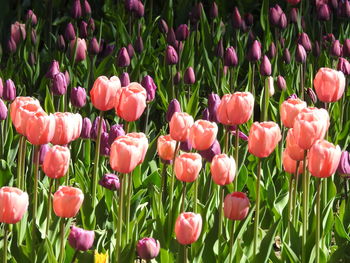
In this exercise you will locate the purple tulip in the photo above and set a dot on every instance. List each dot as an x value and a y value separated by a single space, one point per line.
104 145
83 29
241 134
130 5
275 15
219 50
115 131
11 45
54 69
78 97
9 92
86 8
148 248
281 83
150 87
300 54
76 9
1 87
94 48
174 106
177 78
182 32
305 42
59 84
171 56
213 150
140 9
171 38
130 50
94 128
163 26
249 19
316 51
286 56
336 49
81 239
123 58
344 66
230 57
271 53
30 16
186 146
91 25
61 44
213 104
110 181
214 12
69 33
205 114
139 45
3 110
236 19
312 95
44 148
293 15
107 50
344 164
189 76
323 12
293 96
254 52
86 128
265 66
346 48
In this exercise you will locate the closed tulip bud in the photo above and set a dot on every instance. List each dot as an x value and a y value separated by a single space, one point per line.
286 56
290 165
11 45
236 18
182 32
346 48
148 83
293 149
213 104
76 9
236 206
67 201
214 12
68 127
91 25
81 239
94 128
212 151
223 169
344 66
275 15
188 228
254 52
186 146
300 54
40 128
139 45
33 36
31 17
86 8
94 47
345 8
9 92
230 57
171 38
282 41
59 84
171 56
66 75
140 9
14 203
110 181
219 50
270 86
18 32
83 29
271 53
281 83
166 147
336 49
189 76
323 12
205 114
344 164
104 145
1 87
163 26
263 138
293 15
3 110
131 50
80 54
148 248
115 131
56 162
241 135
329 85
86 128
61 44
316 51
174 106
290 109
78 97
312 95
323 159
177 78
44 148
283 21
187 167
130 102
104 92
180 125
265 66
310 125
69 33
54 68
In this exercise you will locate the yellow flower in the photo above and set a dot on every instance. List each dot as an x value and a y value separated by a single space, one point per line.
100 257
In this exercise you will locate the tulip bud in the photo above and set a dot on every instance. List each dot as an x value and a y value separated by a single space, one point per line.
93 46
241 135
94 128
60 43
54 69
163 26
9 92
230 58
171 38
30 16
83 32
281 83
300 54
213 13
236 19
81 49
66 75
186 146
148 248
107 50
123 58
130 50
177 78
265 67
344 66
271 53
86 8
205 114
105 148
323 12
283 21
312 95
174 106
91 25
11 45
78 97
286 56
3 110
182 32
344 164
140 9
269 85
148 83
346 48
209 153
305 41
275 15
130 5
213 104
76 9
219 50
33 36
115 131
139 45
59 84
282 41
236 206
171 56
124 79
81 239
254 52
44 148
293 15
336 49
110 181
189 76
69 33
85 128
316 50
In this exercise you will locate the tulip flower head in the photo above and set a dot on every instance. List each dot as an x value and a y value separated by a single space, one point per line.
187 167
110 181
166 147
13 203
188 228
104 92
81 239
223 169
203 134
329 85
290 109
148 248
67 201
56 162
236 206
180 125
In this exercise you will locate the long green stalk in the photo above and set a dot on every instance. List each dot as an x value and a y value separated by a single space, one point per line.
162 192
295 192
128 202
48 217
318 219
221 218
183 197
62 248
257 208
120 219
231 239
305 209
35 188
237 157
172 184
4 254
266 100
195 195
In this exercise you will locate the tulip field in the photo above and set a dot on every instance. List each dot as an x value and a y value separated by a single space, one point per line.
174 131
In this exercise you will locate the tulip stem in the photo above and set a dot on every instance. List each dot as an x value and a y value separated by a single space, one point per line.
61 256
1 142
75 255
147 117
35 190
172 81
183 197
97 160
195 195
221 219
301 82
185 254
236 156
305 212
162 194
120 219
172 183
231 239
128 203
346 189
290 200
267 98
219 76
257 212
49 208
318 219
19 163
5 243
295 190
226 138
